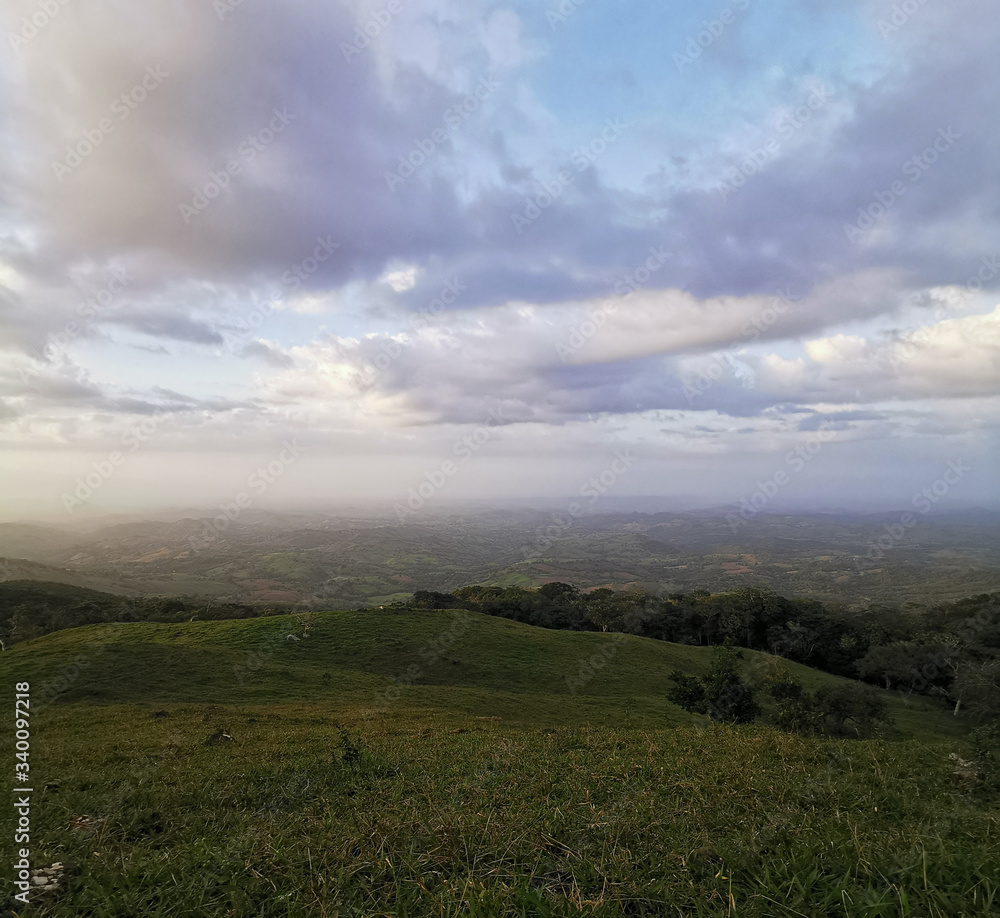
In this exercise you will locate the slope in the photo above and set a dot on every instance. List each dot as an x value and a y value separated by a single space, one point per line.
460 662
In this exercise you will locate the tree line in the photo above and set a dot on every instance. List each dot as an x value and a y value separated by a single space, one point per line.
950 650
30 609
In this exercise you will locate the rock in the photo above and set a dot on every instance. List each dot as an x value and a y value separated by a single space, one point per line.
966 772
219 738
291 637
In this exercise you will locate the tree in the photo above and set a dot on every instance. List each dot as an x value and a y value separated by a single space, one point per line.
723 694
850 710
890 664
729 697
687 692
978 684
602 608
557 589
429 599
793 706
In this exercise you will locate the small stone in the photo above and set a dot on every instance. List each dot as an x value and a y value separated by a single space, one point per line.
216 738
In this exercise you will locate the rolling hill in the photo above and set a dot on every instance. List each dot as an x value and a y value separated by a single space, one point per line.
455 662
446 764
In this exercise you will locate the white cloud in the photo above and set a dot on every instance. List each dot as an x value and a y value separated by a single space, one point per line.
836 349
401 279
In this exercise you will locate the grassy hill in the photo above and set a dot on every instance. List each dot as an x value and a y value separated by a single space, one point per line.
488 786
463 662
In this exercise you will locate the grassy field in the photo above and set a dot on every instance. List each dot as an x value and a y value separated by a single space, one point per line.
488 785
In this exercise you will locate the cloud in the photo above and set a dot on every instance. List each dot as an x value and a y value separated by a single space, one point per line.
167 325
238 169
267 352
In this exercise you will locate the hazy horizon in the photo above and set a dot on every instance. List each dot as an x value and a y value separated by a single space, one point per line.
644 505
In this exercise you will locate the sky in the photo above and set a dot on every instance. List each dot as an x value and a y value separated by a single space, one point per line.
415 251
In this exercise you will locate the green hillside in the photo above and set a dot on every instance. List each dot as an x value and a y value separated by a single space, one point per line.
462 662
487 787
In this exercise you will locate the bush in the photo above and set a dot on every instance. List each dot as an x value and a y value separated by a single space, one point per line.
687 692
841 710
723 695
850 710
794 709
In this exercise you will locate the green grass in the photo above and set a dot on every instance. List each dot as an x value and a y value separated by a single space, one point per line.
467 663
486 788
